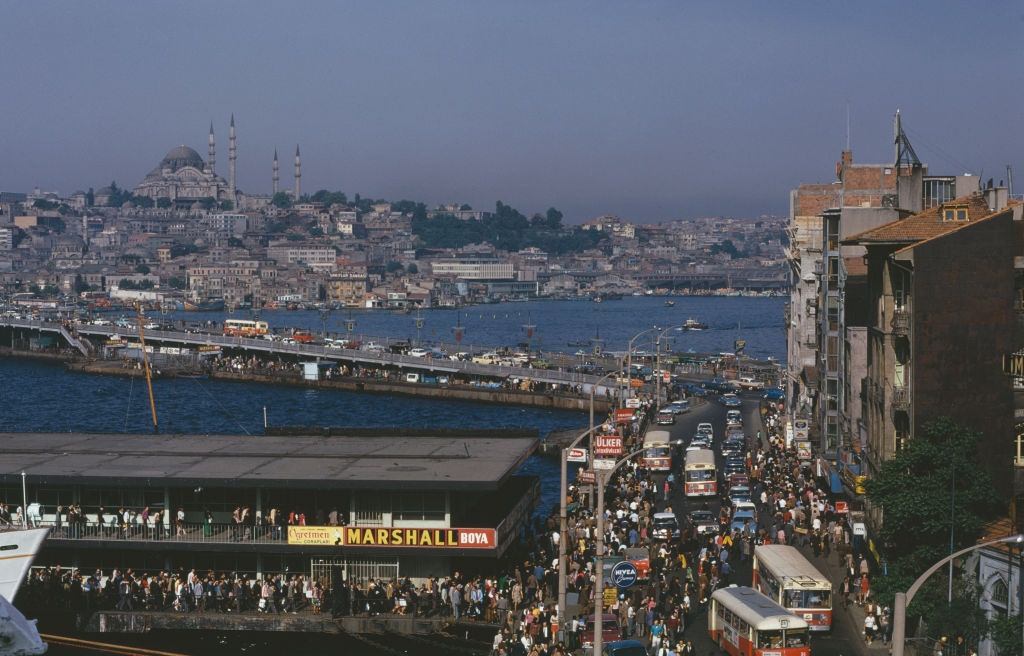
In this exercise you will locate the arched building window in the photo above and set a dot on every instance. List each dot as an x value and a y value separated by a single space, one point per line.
999 596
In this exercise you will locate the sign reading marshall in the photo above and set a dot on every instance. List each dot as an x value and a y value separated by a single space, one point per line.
359 536
608 445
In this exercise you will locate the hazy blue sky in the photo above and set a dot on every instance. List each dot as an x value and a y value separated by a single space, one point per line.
649 110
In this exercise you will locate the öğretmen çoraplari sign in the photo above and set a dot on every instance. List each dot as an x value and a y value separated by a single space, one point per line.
365 536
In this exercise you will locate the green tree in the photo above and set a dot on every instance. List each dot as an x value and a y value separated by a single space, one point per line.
207 203
226 206
43 204
90 197
1006 635
163 203
394 266
142 268
281 200
915 493
178 282
412 268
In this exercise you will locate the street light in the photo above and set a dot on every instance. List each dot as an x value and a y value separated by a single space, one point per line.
629 353
903 599
601 475
563 529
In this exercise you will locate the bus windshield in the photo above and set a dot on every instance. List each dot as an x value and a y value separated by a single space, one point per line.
657 452
699 475
782 638
807 599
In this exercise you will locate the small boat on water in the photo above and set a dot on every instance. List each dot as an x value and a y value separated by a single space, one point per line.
19 548
693 324
670 303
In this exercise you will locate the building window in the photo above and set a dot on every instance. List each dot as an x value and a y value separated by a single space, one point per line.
1000 597
955 213
938 191
416 506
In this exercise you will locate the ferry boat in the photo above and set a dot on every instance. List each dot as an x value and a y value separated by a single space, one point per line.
18 548
693 324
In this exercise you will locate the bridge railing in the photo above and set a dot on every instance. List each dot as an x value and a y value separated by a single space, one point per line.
324 352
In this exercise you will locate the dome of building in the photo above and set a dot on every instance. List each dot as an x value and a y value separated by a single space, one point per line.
181 157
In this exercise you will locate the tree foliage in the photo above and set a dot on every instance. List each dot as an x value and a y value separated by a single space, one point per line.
914 491
1006 635
506 229
281 200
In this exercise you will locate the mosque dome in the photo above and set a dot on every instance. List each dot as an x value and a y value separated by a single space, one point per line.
181 157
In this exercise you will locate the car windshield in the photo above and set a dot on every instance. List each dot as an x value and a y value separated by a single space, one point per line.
702 516
665 522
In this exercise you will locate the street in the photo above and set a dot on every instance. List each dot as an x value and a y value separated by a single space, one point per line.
845 635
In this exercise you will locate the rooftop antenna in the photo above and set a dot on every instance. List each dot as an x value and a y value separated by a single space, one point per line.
847 125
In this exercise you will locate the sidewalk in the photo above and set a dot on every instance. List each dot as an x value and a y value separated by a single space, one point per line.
847 623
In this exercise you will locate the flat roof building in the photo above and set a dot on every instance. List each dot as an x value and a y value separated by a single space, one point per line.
380 506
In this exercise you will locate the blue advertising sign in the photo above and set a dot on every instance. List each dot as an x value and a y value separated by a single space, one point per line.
624 574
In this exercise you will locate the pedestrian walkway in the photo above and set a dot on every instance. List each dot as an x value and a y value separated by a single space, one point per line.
848 618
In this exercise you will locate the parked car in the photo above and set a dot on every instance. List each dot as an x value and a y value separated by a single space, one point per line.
679 407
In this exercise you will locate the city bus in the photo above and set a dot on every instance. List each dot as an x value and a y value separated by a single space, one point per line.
744 622
699 475
245 328
657 451
784 574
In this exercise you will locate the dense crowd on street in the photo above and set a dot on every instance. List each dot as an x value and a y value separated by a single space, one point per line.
794 506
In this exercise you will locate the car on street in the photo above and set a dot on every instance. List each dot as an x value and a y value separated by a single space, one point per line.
733 446
680 407
745 506
743 521
739 493
703 521
734 467
750 383
731 401
666 526
418 352
719 385
693 389
665 417
704 428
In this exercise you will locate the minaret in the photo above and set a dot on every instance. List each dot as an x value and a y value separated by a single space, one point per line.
298 173
232 156
277 171
211 160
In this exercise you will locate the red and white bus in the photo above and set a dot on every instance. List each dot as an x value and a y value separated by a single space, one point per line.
744 622
657 451
699 473
245 328
784 574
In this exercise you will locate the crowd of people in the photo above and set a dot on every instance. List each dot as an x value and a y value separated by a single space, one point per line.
520 597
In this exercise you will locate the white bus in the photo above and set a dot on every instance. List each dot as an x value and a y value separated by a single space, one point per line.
744 622
784 574
657 451
699 473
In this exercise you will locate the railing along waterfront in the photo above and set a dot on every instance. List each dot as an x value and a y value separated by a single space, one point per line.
189 532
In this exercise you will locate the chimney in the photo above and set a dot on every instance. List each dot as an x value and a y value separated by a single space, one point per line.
997 198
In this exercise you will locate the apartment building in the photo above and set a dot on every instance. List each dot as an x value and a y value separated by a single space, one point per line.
311 255
942 277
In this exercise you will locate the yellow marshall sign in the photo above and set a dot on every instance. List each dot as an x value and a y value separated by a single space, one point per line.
363 536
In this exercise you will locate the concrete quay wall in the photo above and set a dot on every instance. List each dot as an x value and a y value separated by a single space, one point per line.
144 622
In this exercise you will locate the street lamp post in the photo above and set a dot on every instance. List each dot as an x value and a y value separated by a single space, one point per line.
563 529
903 599
602 475
629 353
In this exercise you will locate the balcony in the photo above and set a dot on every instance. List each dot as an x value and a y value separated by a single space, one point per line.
900 323
900 401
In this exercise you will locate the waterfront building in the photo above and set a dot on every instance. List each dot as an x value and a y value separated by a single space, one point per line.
474 268
940 315
374 506
311 255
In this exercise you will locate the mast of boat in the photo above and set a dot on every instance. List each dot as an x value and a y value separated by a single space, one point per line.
145 367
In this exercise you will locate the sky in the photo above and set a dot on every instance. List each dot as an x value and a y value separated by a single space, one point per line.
648 110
